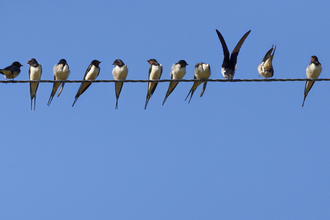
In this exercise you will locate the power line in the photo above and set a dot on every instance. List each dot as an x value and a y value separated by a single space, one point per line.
165 80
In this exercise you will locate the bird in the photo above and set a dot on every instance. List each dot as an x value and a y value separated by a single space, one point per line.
91 73
35 71
266 69
229 63
313 71
61 72
202 71
177 72
12 71
155 72
119 72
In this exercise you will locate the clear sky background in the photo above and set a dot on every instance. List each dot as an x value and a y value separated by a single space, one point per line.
242 151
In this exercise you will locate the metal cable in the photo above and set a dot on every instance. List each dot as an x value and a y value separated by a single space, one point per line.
164 80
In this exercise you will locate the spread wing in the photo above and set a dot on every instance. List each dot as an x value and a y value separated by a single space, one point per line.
240 43
234 54
224 47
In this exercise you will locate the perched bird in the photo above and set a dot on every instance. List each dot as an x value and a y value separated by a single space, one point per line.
266 69
61 72
177 72
202 71
155 72
12 71
229 64
35 72
91 73
313 71
119 72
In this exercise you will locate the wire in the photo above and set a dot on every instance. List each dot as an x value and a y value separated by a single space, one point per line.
164 80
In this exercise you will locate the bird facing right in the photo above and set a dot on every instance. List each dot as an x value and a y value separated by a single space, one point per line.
313 71
35 72
202 71
91 73
12 71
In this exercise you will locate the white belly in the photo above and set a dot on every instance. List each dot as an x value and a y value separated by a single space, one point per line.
61 73
35 72
177 72
313 71
203 71
120 73
155 72
92 73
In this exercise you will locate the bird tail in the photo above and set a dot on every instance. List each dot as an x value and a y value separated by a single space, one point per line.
32 96
170 90
308 87
35 102
118 88
203 90
59 92
272 55
52 94
191 96
147 100
116 103
75 101
190 92
51 97
166 96
304 101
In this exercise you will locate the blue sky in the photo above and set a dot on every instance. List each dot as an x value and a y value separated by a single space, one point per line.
242 151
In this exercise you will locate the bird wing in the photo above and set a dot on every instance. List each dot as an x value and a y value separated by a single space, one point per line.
234 54
267 55
224 47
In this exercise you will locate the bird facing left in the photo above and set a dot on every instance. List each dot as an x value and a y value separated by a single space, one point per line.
155 72
35 71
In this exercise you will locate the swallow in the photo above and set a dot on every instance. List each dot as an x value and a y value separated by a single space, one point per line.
155 72
266 69
177 72
12 71
35 72
202 71
229 64
91 73
119 72
61 72
313 71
